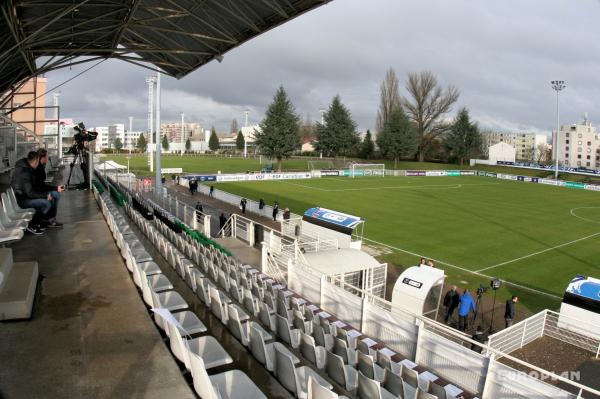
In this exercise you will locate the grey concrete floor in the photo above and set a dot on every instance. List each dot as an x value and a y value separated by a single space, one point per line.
90 334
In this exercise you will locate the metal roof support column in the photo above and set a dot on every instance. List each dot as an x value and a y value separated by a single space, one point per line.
157 140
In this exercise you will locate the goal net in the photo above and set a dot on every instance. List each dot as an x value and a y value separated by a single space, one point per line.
367 169
320 164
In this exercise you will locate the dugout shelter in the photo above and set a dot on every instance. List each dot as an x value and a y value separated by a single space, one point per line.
418 290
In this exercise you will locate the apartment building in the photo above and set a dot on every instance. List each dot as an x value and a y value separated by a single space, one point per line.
527 145
578 145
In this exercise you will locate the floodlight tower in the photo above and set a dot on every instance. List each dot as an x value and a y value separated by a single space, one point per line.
130 130
150 80
182 130
246 126
558 86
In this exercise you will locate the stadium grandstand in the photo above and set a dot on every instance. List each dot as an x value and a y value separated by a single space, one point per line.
142 295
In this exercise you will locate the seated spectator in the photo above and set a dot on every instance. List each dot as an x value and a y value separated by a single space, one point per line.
286 214
23 182
41 186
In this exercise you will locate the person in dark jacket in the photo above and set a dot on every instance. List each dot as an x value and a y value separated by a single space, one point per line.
261 204
451 301
480 337
464 308
243 204
286 214
509 313
28 196
222 221
275 210
42 186
211 192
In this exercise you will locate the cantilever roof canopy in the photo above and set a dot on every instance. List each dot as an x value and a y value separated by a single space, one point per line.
173 36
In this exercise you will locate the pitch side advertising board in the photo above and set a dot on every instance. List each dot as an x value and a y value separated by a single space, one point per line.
202 177
263 176
416 173
328 173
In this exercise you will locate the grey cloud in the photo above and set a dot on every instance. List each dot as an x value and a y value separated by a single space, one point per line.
501 55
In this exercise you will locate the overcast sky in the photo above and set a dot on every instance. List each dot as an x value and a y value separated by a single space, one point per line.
501 55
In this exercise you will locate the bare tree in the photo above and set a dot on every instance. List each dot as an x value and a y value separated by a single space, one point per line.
389 98
233 128
426 107
541 153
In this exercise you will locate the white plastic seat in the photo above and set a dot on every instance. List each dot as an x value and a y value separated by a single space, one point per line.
393 383
367 366
321 338
14 204
317 391
232 384
262 351
7 223
437 390
208 348
286 333
342 374
421 394
266 316
340 348
314 354
218 303
11 213
371 389
295 379
236 323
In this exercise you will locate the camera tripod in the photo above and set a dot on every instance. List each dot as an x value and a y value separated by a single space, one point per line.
79 158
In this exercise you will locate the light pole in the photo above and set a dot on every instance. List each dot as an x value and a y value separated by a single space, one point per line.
557 85
182 116
246 144
130 130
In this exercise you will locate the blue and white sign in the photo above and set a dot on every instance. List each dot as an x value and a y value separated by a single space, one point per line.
337 218
585 287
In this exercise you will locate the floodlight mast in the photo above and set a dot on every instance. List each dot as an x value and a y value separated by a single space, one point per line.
558 86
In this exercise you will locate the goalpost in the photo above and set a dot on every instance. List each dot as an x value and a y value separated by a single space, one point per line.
367 169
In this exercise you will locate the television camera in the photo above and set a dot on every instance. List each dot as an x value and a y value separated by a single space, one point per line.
79 150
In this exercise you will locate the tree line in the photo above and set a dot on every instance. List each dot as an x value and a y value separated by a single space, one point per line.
415 126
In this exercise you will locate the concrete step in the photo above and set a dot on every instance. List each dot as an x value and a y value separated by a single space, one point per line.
6 262
16 298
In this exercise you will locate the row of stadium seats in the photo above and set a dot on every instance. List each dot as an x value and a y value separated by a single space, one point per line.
170 310
243 299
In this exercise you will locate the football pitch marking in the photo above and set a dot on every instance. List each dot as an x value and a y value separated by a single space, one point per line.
572 212
425 187
538 252
477 273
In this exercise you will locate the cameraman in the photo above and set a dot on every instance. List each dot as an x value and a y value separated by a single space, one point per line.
41 186
28 195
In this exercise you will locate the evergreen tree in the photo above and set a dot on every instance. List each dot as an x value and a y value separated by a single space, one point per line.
188 144
463 139
165 143
279 135
398 138
141 143
368 147
118 144
338 134
240 141
213 141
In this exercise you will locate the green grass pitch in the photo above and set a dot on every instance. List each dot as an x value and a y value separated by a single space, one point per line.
529 234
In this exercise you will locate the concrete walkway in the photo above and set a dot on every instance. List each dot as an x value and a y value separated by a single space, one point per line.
90 335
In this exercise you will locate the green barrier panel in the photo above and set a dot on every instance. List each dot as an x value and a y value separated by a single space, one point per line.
201 238
98 186
574 185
